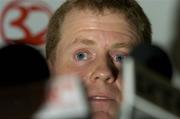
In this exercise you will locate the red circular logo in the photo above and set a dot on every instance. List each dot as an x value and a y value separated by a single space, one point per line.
22 22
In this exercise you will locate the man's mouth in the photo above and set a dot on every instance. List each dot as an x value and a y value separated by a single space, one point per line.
101 103
101 100
97 98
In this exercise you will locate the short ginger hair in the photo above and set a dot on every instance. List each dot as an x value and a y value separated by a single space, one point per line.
132 11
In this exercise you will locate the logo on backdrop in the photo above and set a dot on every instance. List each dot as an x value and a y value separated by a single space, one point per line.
25 21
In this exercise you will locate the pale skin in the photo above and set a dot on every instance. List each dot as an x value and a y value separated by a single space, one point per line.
93 46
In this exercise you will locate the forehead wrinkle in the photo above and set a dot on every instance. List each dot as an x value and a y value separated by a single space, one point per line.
120 45
84 41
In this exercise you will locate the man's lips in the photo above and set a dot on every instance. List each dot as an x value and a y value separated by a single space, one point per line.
101 102
99 98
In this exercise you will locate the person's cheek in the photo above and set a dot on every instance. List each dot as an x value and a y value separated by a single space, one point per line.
72 67
82 71
119 84
64 65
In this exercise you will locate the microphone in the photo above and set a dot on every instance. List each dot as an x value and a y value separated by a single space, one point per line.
23 76
153 58
147 91
22 64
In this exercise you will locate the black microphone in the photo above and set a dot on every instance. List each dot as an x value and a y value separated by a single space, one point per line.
154 58
23 76
147 91
20 64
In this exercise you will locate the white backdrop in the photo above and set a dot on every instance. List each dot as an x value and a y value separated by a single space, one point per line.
162 14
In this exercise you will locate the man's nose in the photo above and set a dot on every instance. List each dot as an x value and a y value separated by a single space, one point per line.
105 70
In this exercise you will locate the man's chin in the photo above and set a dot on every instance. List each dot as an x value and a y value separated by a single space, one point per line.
101 115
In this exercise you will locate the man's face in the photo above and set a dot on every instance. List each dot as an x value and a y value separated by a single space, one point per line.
93 47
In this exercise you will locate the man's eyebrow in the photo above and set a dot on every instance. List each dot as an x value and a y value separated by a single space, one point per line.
120 45
84 41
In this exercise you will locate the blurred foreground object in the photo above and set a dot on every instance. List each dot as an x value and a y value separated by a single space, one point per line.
66 99
148 94
153 58
175 49
23 76
176 53
21 64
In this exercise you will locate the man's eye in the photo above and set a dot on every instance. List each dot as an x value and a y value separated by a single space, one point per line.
80 56
119 58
